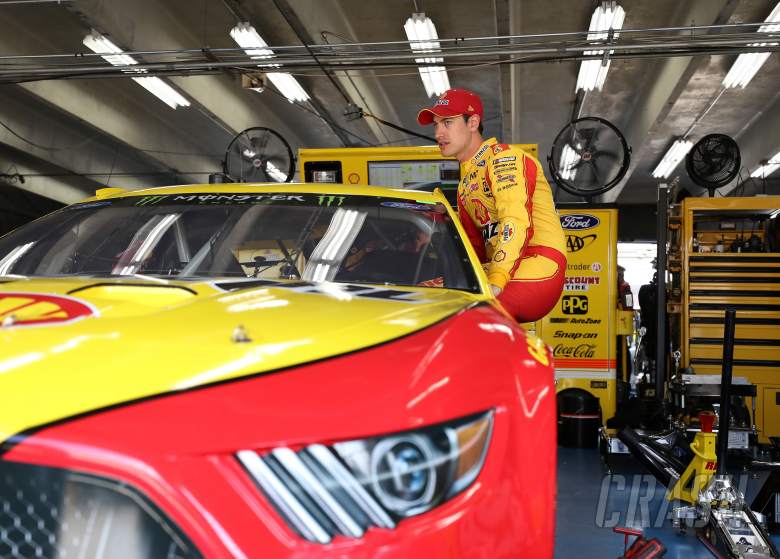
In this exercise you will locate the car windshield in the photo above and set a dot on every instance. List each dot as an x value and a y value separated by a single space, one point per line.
311 237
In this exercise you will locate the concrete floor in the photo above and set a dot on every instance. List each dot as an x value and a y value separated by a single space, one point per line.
591 502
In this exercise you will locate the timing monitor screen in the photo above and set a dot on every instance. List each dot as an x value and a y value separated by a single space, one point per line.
417 175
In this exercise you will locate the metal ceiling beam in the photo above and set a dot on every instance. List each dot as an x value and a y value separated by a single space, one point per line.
303 35
217 98
115 111
119 109
664 86
43 178
51 66
35 131
365 90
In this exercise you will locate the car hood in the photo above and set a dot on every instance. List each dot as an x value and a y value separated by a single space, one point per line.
71 346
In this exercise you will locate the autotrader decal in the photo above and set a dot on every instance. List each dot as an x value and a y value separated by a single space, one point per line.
41 309
363 291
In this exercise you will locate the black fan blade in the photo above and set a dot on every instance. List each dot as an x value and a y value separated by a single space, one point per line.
605 154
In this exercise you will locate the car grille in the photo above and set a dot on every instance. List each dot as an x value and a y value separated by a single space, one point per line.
58 514
315 493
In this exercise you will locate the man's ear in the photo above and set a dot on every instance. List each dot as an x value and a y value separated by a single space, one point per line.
473 123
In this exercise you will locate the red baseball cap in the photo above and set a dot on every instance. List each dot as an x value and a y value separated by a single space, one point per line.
452 102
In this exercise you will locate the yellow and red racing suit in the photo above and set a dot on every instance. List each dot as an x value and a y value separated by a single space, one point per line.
507 209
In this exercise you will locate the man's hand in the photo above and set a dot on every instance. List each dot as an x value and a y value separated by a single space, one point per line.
495 289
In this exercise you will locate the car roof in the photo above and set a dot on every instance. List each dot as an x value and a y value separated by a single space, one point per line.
294 187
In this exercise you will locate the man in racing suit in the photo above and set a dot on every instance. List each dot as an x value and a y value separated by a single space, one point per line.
505 205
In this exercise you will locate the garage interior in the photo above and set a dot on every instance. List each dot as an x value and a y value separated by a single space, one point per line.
135 94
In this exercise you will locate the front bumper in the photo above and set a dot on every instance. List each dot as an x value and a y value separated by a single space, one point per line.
179 451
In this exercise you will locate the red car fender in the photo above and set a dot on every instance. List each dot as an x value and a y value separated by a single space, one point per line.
179 448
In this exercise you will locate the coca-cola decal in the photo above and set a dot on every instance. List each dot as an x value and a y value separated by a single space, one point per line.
579 222
585 351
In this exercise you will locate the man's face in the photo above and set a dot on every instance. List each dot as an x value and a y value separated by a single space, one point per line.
453 135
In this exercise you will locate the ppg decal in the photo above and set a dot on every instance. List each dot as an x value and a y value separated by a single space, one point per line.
579 222
574 304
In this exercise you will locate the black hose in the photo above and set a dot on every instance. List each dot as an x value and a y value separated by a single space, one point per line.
661 463
725 390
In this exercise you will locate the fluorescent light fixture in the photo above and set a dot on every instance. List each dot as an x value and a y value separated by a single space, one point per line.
767 168
112 54
247 37
676 153
288 86
748 64
163 91
593 73
423 38
568 163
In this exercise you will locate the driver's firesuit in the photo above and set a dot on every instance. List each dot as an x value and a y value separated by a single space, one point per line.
506 206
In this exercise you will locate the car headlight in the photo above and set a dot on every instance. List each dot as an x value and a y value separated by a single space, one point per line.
351 486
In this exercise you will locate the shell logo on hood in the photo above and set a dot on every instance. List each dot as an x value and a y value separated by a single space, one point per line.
39 309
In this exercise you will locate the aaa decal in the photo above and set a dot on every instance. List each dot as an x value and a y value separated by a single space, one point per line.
41 309
575 243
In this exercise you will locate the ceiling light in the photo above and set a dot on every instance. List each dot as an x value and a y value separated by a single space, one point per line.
747 65
288 86
163 91
112 54
247 37
593 73
423 38
250 40
767 168
676 153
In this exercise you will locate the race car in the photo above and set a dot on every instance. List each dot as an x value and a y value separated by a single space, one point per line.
266 371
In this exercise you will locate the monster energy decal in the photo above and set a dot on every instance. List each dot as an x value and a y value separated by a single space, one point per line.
217 199
330 200
150 200
245 199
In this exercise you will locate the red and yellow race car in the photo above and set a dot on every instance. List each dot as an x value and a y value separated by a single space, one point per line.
307 371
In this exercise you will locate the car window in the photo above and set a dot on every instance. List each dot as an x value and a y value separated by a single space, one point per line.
311 237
